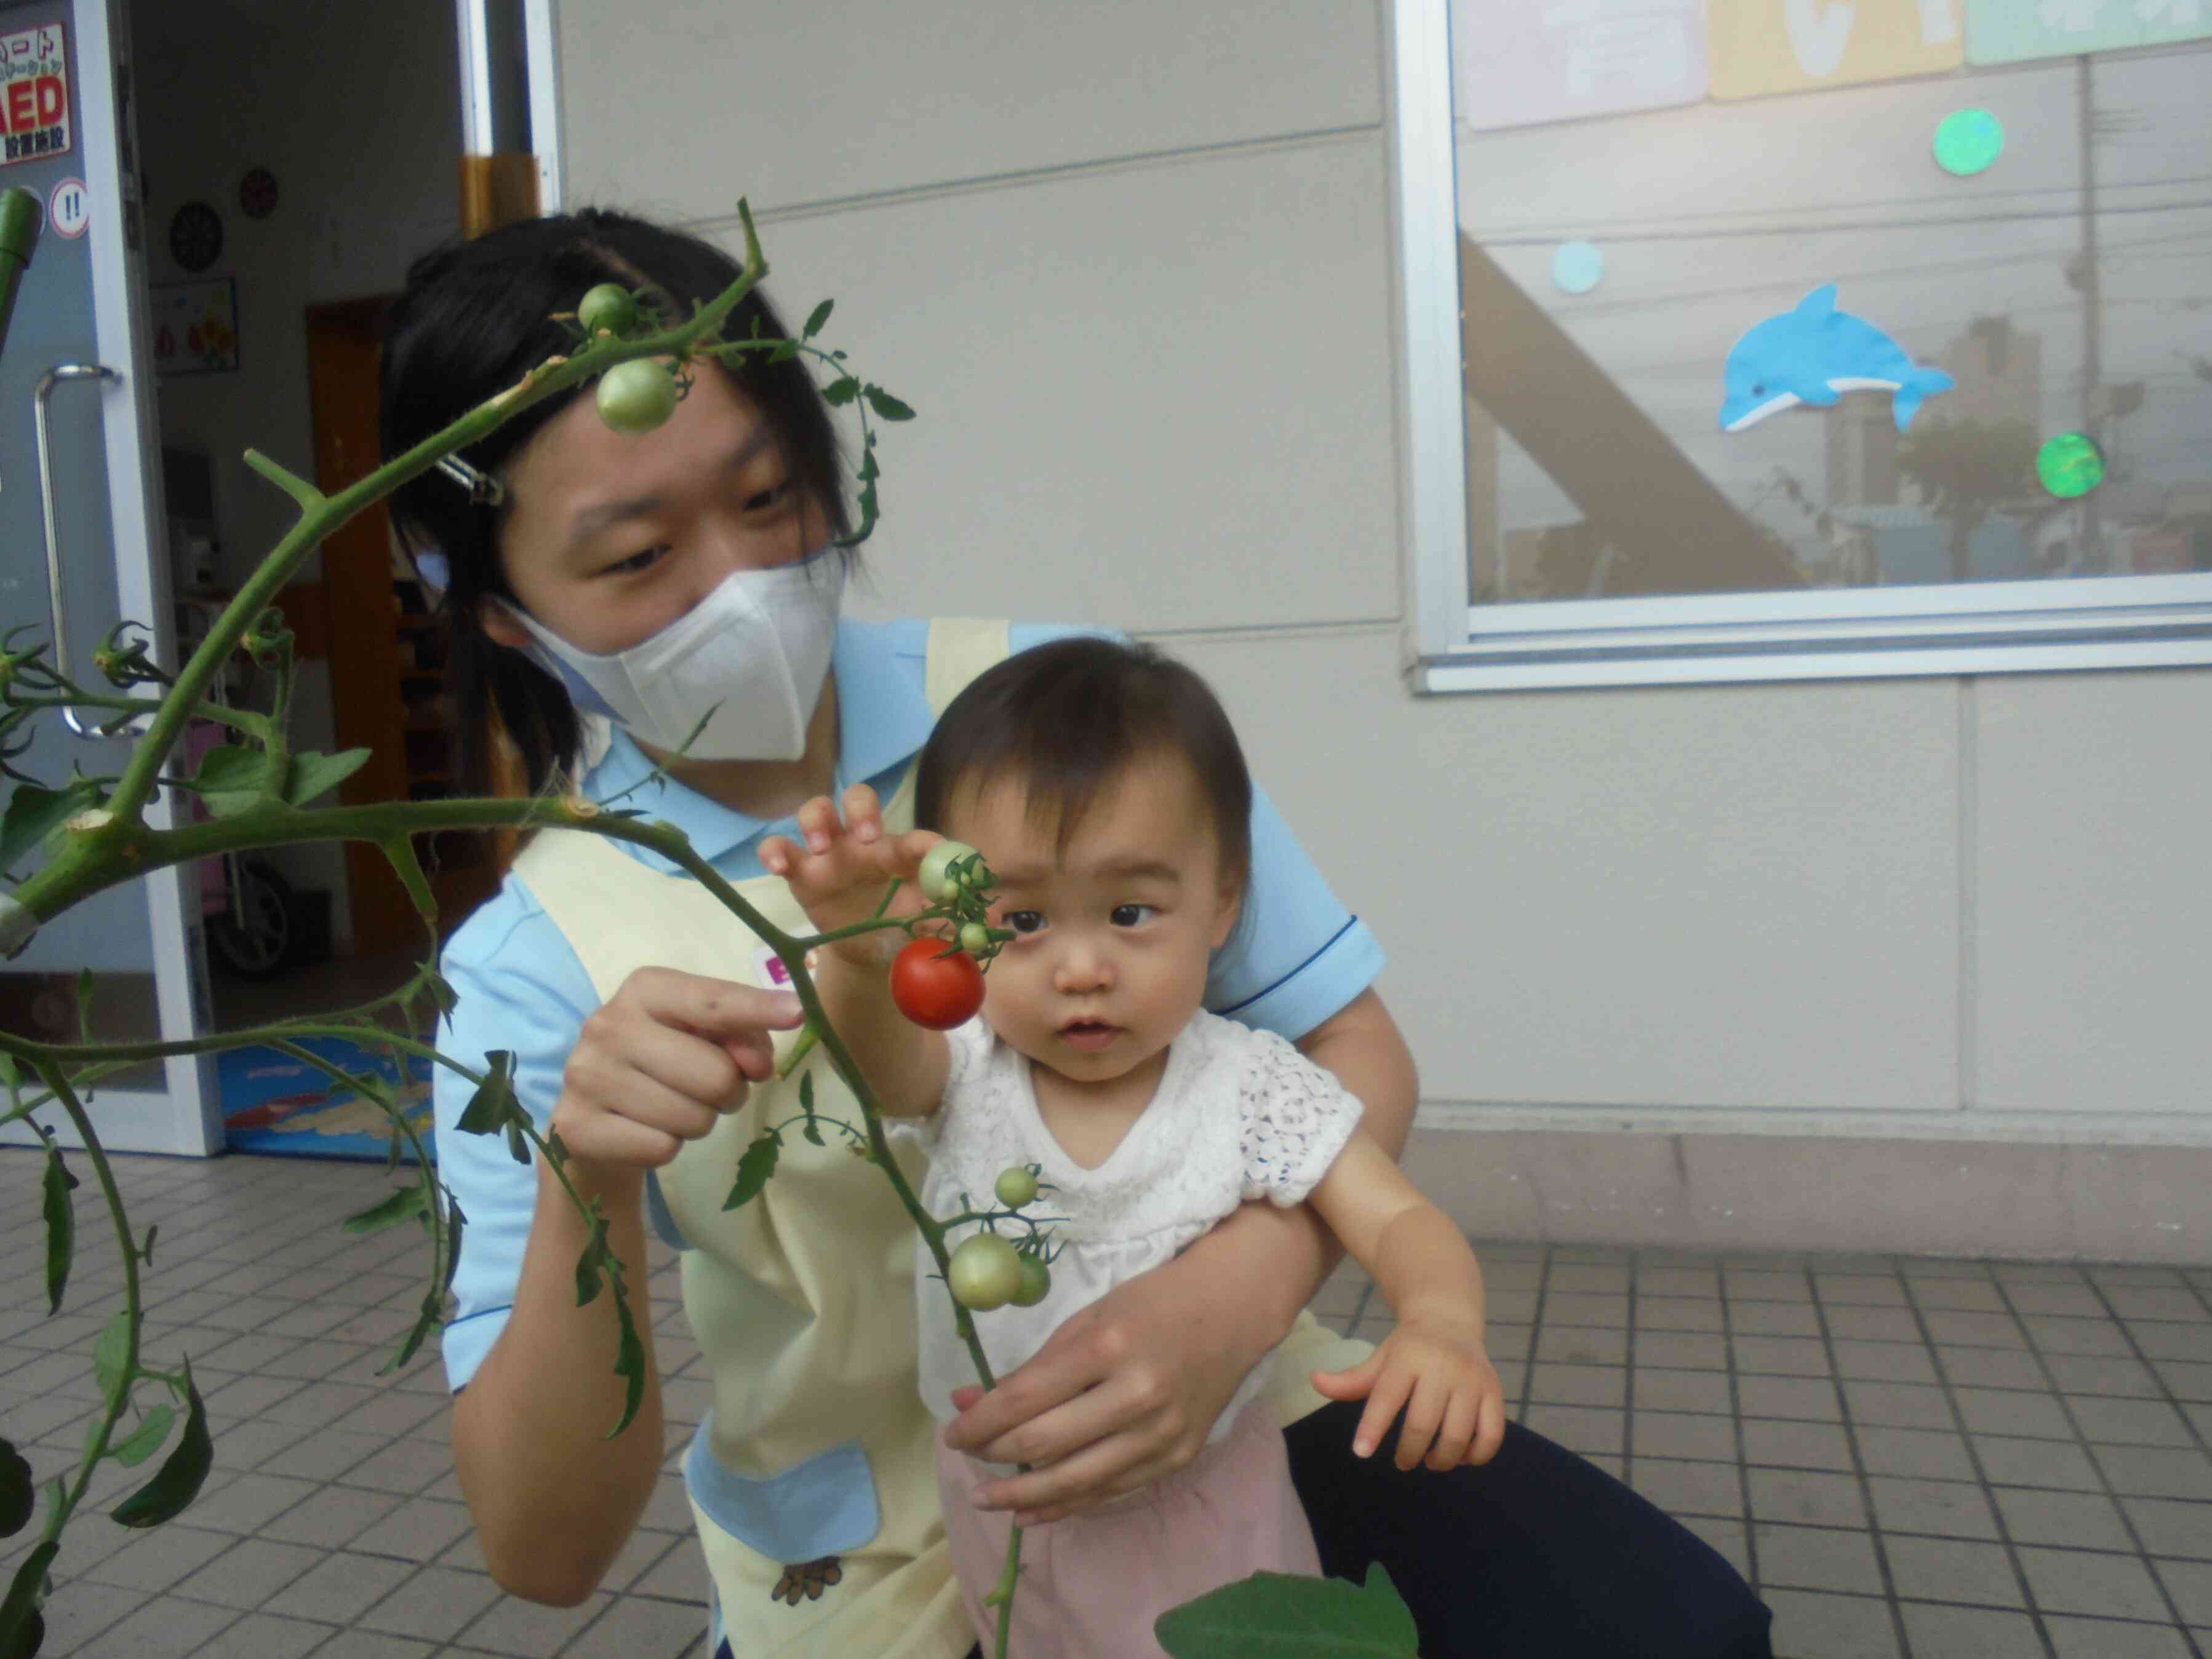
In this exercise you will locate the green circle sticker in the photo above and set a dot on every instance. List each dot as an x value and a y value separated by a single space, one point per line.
2069 465
1968 141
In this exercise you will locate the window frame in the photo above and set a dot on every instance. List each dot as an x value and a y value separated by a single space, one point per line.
2067 623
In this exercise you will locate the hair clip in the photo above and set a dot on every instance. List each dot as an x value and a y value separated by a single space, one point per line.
483 489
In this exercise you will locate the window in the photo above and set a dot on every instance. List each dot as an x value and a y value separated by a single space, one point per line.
1763 339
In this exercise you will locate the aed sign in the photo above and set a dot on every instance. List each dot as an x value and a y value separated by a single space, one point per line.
34 104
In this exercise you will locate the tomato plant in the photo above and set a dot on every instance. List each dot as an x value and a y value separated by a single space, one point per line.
1036 1282
937 878
935 986
985 1272
636 396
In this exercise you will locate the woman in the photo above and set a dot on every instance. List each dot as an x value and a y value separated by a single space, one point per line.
616 590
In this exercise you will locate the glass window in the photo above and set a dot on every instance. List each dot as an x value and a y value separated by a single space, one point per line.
1806 337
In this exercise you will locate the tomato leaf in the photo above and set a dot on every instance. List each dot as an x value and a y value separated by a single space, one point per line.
146 1439
407 864
815 318
19 1492
33 813
629 1366
842 391
232 778
399 1207
813 1129
887 407
111 1356
492 1108
61 1228
754 1170
21 1628
1278 1615
182 1474
590 1276
316 774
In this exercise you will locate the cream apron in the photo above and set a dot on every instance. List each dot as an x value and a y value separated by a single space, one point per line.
817 1444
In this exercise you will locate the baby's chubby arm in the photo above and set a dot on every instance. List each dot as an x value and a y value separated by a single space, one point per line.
1434 1364
839 876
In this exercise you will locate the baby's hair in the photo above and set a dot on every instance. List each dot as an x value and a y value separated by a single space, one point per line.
1070 717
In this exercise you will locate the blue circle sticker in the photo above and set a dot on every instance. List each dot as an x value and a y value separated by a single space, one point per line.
1577 267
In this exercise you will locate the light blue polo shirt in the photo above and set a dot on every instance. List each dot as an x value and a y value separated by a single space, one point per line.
1296 958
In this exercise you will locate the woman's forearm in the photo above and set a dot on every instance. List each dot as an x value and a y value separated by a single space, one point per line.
554 1500
1361 1047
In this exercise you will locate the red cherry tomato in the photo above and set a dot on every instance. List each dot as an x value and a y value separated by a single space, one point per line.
936 990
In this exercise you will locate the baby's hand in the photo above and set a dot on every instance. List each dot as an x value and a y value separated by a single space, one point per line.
840 874
1437 1371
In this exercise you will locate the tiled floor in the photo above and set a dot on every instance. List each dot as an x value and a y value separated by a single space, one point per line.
1924 1459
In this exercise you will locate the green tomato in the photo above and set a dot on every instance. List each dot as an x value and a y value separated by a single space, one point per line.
1036 1282
636 396
608 309
937 879
975 938
1017 1186
985 1273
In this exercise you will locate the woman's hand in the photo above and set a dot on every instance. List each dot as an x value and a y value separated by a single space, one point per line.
1124 1392
840 874
661 1062
1438 1372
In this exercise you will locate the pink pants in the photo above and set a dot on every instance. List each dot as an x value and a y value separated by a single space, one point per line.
1091 1585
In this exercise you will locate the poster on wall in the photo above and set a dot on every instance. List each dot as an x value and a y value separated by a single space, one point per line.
1763 46
196 327
1517 65
2012 31
33 94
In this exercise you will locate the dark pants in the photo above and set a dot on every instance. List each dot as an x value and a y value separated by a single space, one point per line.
1539 1554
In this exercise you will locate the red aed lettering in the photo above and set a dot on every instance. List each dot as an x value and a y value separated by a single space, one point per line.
22 110
53 101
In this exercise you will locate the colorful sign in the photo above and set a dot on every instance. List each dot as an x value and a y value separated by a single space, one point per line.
34 105
68 209
195 327
1763 46
1532 61
2014 31
1812 355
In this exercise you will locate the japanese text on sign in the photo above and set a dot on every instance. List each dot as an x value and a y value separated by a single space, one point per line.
35 113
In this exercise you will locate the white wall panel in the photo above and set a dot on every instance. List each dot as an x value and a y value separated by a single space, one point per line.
692 103
2091 814
1157 396
1732 897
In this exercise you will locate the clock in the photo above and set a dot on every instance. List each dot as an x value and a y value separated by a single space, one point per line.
196 236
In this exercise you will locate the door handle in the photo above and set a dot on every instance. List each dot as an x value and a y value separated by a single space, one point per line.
52 378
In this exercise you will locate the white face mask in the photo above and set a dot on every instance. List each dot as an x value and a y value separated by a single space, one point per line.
756 651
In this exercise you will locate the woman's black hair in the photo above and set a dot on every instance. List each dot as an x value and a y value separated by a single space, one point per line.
1068 720
475 317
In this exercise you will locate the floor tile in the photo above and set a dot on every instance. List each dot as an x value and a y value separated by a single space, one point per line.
2077 1300
1923 1454
1677 1313
1585 1429
2168 1527
1952 1570
1773 1318
2089 1373
435 1605
1872 1324
1726 1536
1808 1497
1884 1362
1661 1389
2080 1520
1796 1445
1816 1558
1579 1385
2055 1333
2000 1368
527 1629
1782 1356
643 1627
1812 1398
1950 1632
2109 1639
1680 1488
1839 1290
2156 1472
2190 1584
1681 1434
262 1636
167 1628
1945 1509
1898 1405
248 1573
2110 1421
1966 1295
1812 1625
1581 1345
1681 1350
2080 1581
159 1558
2012 1412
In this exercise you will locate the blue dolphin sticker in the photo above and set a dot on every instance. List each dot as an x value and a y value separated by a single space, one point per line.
1812 355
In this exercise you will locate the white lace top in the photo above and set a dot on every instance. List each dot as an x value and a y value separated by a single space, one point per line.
1239 1115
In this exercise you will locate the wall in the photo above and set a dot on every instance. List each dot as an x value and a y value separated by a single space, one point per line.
1899 965
356 107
